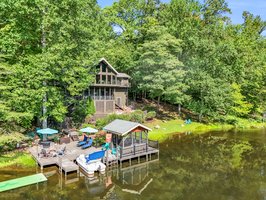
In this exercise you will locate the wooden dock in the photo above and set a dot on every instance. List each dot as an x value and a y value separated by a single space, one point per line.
66 163
20 182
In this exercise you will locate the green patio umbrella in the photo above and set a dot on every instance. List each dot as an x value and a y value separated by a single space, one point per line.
47 131
88 130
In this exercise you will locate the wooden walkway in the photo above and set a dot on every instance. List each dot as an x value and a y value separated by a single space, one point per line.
65 162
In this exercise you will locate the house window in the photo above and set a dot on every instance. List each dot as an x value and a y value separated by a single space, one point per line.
102 93
98 79
113 82
103 79
103 67
109 79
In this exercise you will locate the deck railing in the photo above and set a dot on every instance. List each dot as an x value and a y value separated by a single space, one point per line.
102 97
138 148
118 83
154 144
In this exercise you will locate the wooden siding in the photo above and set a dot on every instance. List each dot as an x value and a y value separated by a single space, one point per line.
104 106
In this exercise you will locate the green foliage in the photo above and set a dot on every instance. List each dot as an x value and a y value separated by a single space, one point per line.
137 116
237 153
158 69
151 115
16 159
82 109
183 52
8 142
239 106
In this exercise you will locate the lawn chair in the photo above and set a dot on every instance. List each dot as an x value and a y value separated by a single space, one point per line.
106 146
62 151
44 153
88 144
85 139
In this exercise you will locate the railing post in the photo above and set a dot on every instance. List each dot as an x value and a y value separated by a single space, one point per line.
134 149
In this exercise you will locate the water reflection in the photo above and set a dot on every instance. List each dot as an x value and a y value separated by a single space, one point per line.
220 166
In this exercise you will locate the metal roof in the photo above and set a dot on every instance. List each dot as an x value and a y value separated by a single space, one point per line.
123 75
122 127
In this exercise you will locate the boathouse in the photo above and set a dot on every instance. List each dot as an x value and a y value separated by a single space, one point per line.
131 140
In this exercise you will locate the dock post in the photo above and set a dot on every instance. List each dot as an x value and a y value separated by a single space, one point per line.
130 161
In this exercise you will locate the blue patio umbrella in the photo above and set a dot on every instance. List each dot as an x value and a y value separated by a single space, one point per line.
47 131
88 130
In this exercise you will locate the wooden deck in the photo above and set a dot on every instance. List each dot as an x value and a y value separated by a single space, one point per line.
66 162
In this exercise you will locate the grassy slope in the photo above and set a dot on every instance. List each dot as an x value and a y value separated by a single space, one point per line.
16 158
171 127
170 122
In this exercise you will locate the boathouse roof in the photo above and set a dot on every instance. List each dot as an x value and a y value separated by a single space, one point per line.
123 127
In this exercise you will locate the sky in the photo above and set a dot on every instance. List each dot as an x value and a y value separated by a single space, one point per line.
256 7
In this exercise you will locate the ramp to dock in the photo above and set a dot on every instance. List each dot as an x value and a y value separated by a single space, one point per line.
20 182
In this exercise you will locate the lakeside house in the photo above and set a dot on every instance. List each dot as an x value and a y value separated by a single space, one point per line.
110 89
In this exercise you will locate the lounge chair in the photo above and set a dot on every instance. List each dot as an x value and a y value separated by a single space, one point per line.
83 142
87 145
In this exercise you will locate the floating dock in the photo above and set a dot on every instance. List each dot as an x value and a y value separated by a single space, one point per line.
21 182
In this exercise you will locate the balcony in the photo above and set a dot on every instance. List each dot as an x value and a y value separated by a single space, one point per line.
102 97
112 84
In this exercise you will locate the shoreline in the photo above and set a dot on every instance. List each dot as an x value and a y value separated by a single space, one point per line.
163 130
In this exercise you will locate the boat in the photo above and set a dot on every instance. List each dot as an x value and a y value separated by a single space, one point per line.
92 162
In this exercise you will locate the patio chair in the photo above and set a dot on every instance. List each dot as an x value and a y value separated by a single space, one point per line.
83 142
88 144
106 146
62 151
44 153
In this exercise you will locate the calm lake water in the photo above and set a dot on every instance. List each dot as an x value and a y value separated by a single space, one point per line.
221 165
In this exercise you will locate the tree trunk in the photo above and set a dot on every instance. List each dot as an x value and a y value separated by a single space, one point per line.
179 109
44 108
158 100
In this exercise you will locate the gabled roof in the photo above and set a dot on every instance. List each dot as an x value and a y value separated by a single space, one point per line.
122 127
123 75
104 60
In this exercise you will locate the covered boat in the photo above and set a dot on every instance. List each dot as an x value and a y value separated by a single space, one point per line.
92 162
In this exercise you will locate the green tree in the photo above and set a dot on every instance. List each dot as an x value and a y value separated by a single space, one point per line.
158 71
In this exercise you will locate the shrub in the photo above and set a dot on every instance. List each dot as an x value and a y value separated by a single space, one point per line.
151 115
8 142
109 118
137 116
99 140
82 109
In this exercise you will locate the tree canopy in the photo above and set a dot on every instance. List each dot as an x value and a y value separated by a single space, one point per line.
182 52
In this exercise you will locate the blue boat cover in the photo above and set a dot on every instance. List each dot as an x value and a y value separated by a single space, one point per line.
95 156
